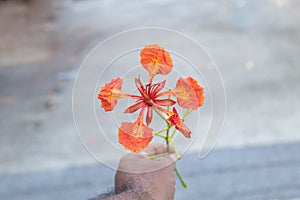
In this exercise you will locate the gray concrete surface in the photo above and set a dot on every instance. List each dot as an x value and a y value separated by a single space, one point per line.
255 44
256 173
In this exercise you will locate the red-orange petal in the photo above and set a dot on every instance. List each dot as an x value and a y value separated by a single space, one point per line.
179 125
189 93
135 107
199 91
110 93
140 87
134 136
159 86
165 102
149 115
156 60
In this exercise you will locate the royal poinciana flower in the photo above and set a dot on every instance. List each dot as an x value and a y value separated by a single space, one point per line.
110 93
135 136
175 120
189 93
156 60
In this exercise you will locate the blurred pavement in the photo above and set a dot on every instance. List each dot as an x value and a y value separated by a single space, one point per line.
235 174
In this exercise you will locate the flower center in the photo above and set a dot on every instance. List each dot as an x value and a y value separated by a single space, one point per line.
148 101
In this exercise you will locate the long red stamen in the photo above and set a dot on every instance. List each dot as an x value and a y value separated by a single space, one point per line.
135 107
134 96
140 87
141 116
149 115
167 93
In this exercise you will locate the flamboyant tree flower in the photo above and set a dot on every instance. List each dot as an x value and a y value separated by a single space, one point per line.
149 99
110 93
189 93
175 120
137 135
156 60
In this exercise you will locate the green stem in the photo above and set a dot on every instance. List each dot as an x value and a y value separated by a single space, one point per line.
183 183
187 112
159 135
162 130
167 140
159 155
173 133
176 152
159 114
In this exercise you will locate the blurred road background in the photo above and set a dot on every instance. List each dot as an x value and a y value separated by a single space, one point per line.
255 43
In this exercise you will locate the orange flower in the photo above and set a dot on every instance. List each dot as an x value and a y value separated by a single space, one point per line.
110 93
189 93
178 123
156 60
135 136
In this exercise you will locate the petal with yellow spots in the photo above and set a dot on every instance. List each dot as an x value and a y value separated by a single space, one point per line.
156 60
189 93
134 136
110 93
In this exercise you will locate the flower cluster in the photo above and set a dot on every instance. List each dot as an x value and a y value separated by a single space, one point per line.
135 136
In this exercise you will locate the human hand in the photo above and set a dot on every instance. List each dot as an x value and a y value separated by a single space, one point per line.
147 178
